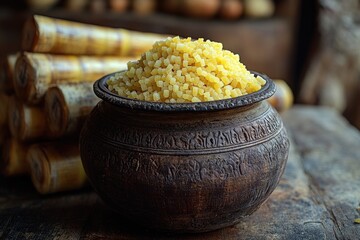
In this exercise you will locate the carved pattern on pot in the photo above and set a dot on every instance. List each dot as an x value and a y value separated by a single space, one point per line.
208 168
194 142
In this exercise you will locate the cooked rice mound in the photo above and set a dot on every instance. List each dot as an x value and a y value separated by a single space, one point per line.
179 70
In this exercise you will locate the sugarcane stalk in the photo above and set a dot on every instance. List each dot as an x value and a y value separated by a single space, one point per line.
67 106
13 161
36 72
50 35
56 167
26 122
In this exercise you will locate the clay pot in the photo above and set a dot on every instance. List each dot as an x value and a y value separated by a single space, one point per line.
186 167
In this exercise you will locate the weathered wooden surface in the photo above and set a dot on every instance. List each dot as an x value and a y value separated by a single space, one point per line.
316 198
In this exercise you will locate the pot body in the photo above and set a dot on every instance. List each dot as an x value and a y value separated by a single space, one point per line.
184 171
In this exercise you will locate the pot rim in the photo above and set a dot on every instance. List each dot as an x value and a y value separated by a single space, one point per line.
101 90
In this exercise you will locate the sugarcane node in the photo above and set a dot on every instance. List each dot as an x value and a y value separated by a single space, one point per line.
36 168
30 34
56 167
15 116
21 79
56 113
29 76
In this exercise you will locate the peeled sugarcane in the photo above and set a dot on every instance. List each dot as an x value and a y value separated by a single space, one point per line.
66 107
44 34
36 72
7 73
26 122
13 161
283 97
56 167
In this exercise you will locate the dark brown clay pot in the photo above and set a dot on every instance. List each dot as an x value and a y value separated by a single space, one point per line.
190 167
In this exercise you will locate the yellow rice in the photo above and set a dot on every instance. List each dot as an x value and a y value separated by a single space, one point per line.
179 70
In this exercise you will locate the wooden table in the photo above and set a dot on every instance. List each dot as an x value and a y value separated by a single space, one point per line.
317 197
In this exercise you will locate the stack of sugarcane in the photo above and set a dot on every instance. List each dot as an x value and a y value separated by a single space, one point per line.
46 94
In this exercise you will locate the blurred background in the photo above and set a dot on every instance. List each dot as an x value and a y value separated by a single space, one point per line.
312 45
